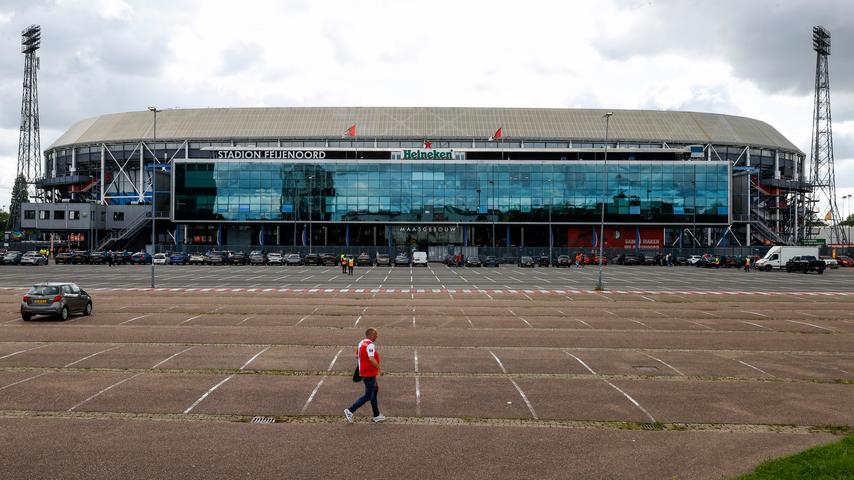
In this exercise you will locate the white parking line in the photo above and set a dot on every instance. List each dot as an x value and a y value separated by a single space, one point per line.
191 407
634 402
90 356
254 357
663 363
104 390
23 351
319 383
191 319
518 388
24 380
755 313
417 386
755 368
171 357
757 325
132 319
310 314
812 325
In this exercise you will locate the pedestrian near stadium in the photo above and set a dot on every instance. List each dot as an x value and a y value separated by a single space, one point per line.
368 364
343 261
351 262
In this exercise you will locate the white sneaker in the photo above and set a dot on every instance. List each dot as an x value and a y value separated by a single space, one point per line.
379 418
348 415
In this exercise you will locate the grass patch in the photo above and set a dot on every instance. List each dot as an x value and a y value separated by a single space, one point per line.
827 462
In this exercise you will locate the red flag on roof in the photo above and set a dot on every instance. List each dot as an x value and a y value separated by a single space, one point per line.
428 144
350 132
496 135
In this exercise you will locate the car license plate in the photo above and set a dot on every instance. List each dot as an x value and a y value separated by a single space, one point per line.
40 300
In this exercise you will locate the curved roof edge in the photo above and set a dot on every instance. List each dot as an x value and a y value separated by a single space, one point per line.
426 122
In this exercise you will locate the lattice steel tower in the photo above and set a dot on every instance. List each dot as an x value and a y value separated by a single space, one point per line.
822 175
29 141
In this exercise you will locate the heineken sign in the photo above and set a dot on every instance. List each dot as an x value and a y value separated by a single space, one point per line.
271 154
428 154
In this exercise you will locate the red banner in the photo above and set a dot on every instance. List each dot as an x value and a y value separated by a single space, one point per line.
624 236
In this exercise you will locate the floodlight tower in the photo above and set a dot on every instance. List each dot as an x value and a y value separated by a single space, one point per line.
822 175
29 142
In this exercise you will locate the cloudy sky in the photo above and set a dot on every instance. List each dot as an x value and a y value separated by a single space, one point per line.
751 58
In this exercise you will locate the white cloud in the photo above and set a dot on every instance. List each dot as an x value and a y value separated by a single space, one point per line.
107 56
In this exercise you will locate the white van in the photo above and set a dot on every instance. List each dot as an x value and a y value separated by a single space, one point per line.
419 258
777 257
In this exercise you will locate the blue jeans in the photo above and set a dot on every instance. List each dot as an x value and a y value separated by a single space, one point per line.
370 395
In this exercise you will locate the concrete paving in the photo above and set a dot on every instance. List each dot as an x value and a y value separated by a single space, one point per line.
568 379
437 276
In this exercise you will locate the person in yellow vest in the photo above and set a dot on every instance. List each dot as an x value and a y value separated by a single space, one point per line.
343 263
351 262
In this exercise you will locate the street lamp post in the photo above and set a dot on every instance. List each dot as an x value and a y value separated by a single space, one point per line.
478 205
310 207
153 110
599 285
551 200
492 184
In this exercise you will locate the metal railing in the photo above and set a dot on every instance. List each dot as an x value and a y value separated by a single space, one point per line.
127 232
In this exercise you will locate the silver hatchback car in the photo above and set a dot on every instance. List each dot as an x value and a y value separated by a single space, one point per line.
54 298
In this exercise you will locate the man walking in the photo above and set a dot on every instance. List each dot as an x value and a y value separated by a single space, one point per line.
351 262
343 263
368 360
110 258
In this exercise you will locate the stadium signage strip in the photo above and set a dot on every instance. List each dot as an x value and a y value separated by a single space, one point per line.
427 228
270 154
428 154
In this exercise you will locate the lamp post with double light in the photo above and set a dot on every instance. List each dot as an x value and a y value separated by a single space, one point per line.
599 285
153 110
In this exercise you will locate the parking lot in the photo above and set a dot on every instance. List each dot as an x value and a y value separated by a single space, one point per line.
479 362
434 276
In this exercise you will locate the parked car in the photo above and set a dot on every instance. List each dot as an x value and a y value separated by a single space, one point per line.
491 261
257 257
829 261
197 259
363 260
526 261
123 257
161 259
382 259
12 257
329 260
594 260
63 257
733 262
710 262
401 259
694 259
293 259
140 258
237 258
33 258
845 261
179 258
473 261
275 258
563 261
312 259
58 299
419 258
806 263
216 257
543 261
98 257
79 257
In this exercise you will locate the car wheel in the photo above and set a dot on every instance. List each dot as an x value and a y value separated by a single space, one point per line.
26 317
88 310
768 268
63 315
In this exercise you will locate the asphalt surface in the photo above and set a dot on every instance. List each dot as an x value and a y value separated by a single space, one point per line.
507 277
478 385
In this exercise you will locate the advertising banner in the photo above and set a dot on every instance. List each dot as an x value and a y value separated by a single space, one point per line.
622 236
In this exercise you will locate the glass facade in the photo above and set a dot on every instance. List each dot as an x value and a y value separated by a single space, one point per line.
659 192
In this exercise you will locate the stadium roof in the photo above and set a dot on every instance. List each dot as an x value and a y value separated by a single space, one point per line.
426 122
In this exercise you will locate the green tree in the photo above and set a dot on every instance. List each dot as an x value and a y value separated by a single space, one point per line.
19 196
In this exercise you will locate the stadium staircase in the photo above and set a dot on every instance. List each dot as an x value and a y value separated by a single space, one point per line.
117 236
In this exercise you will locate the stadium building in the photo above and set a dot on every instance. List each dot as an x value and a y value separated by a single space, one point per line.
419 178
